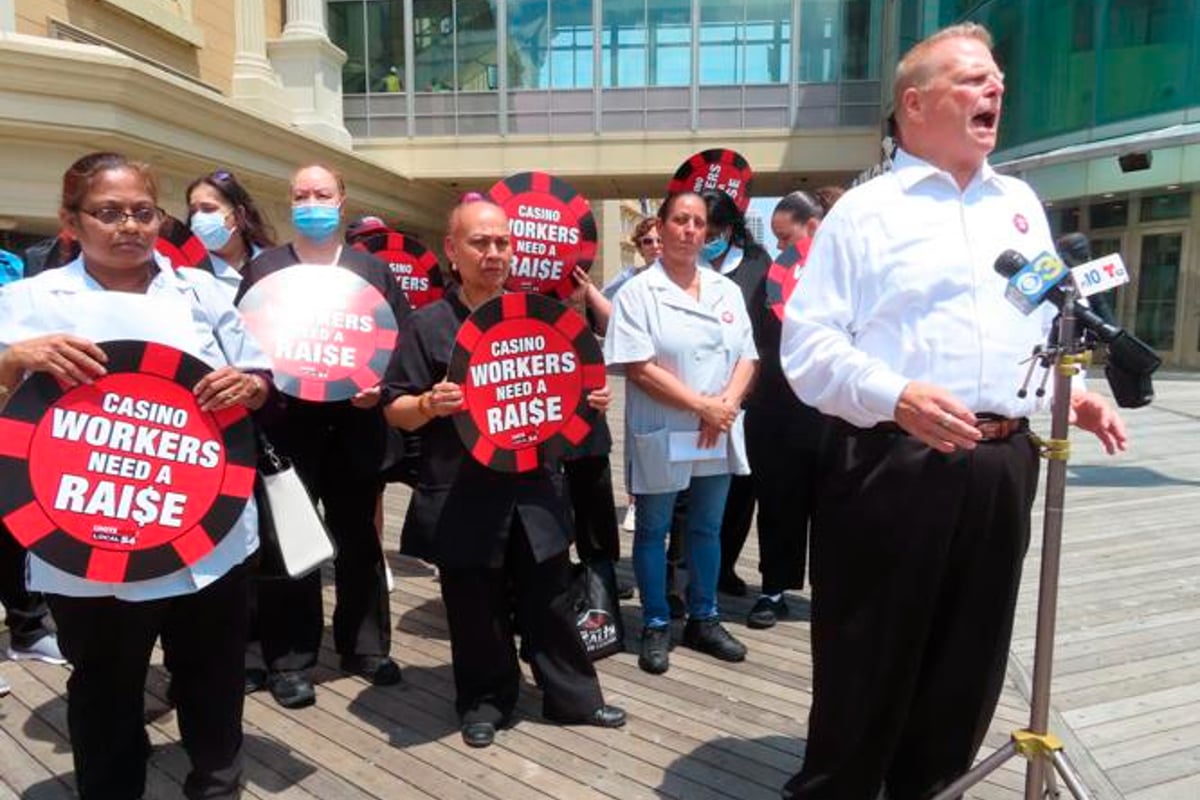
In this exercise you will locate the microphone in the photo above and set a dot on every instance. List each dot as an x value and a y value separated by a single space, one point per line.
1131 361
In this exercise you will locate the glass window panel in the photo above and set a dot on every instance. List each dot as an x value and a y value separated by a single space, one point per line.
1144 64
347 31
623 42
768 41
722 42
1112 214
1063 220
862 20
433 45
571 44
669 26
385 45
528 44
1158 290
1166 206
475 40
820 40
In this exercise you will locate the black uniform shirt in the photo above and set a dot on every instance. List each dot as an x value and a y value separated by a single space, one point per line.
461 511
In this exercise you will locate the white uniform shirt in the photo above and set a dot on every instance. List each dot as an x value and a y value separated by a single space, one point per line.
900 286
227 276
68 300
697 341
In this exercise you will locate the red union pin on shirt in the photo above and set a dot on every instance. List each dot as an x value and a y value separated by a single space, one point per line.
526 364
124 479
552 228
328 332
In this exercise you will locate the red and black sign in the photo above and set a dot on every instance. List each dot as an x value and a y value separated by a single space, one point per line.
553 231
124 479
180 246
414 267
784 274
328 332
719 168
526 364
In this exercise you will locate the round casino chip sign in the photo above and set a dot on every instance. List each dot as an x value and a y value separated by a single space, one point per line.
784 274
124 479
181 247
413 266
553 231
328 332
720 168
526 364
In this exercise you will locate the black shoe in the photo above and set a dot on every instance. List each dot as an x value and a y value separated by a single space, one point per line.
603 717
729 583
478 734
709 636
656 647
379 670
624 589
676 607
256 680
766 612
291 689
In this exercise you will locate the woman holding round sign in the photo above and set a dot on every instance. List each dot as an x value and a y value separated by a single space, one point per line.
784 437
126 470
682 336
486 510
327 316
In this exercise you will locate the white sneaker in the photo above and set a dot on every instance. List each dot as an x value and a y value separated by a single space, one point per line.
630 521
44 649
4 687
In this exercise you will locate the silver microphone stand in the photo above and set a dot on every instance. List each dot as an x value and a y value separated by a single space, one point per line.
1039 747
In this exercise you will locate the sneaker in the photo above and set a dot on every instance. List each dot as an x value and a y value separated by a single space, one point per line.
656 647
709 636
630 521
766 612
4 687
44 649
379 670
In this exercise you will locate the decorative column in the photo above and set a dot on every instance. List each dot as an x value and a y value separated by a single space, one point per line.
305 18
8 16
310 68
254 80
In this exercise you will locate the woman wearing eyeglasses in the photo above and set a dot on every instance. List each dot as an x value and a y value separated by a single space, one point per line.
223 216
649 245
108 630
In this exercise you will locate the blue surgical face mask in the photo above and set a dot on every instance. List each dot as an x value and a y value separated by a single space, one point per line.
317 223
209 227
715 249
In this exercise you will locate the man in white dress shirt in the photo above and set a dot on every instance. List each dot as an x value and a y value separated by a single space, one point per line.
900 328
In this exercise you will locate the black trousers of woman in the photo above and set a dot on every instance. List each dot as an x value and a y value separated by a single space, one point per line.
25 612
916 563
290 616
589 487
487 675
109 642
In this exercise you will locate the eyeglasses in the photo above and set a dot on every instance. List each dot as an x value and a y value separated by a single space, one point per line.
113 216
648 241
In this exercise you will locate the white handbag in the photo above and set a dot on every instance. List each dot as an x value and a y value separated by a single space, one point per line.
293 535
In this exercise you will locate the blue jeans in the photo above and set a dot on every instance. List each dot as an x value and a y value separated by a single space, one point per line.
702 548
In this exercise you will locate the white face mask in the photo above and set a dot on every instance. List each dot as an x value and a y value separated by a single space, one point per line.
209 227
